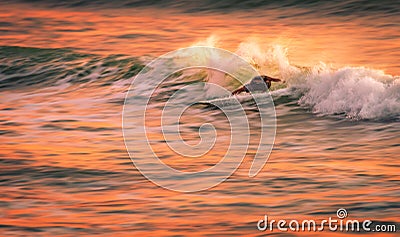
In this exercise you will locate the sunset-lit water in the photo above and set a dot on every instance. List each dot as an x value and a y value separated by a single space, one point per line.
64 166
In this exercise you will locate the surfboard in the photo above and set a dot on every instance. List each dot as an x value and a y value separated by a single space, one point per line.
231 100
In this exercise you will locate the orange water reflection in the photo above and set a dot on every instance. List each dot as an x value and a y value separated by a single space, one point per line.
373 43
65 170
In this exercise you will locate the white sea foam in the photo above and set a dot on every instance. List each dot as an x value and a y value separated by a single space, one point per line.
356 92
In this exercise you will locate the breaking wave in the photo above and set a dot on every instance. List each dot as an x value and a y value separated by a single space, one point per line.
352 92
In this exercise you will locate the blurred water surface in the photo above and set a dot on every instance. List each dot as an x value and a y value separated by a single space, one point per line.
64 166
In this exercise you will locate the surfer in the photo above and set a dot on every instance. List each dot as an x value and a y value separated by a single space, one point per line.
257 84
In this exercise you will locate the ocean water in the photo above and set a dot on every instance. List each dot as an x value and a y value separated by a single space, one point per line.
65 69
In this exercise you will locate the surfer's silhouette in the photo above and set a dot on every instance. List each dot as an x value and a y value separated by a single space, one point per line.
257 84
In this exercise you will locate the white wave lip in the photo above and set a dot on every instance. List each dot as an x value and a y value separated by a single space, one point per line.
357 92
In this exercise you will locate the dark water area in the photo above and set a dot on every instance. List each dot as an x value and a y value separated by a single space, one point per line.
352 8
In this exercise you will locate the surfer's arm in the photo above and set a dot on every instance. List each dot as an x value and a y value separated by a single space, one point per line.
241 89
267 78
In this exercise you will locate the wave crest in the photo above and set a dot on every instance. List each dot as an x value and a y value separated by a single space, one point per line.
357 92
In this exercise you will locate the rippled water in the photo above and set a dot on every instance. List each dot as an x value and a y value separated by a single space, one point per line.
64 166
